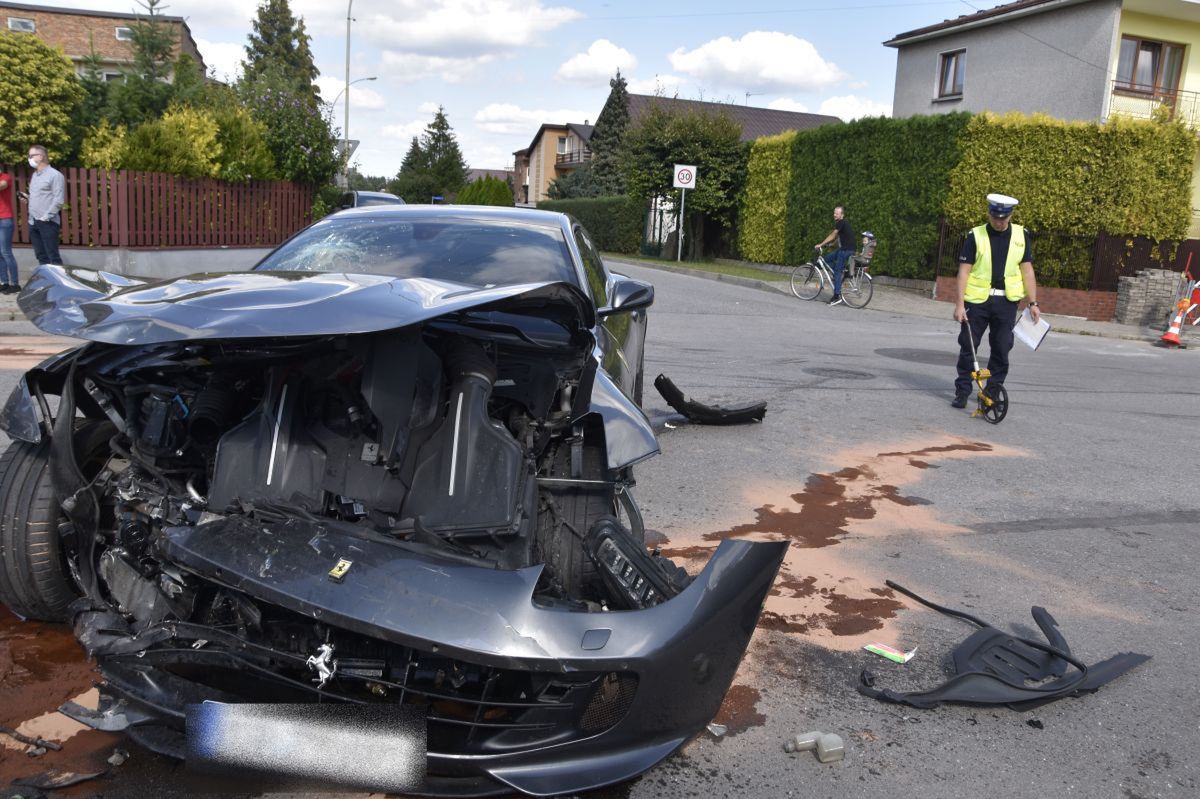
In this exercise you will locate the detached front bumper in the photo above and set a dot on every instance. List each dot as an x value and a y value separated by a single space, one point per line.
567 701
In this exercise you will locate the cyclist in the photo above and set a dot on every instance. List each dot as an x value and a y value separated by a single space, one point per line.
845 249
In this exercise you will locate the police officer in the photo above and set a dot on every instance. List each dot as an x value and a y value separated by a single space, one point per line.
995 272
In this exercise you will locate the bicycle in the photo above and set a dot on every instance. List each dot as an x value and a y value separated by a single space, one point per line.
809 280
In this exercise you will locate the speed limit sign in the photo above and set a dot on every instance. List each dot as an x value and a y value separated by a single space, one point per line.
685 176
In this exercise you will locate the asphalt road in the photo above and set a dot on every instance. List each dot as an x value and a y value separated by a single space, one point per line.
1083 500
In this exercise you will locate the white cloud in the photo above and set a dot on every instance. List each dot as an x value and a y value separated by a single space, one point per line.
463 28
850 107
785 104
400 135
410 67
759 60
666 85
428 108
508 118
362 98
222 58
598 64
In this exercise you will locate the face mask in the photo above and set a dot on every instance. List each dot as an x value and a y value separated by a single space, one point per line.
33 162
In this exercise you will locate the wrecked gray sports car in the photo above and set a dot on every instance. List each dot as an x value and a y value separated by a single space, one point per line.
391 465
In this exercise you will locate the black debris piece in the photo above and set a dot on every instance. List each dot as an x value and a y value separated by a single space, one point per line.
993 667
708 414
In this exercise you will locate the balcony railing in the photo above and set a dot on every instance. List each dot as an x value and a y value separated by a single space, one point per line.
1141 102
573 158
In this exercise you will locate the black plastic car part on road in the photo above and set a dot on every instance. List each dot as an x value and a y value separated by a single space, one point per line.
408 486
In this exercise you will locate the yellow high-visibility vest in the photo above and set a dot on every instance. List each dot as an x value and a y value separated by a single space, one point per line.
979 282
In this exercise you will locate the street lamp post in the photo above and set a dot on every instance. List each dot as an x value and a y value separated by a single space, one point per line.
346 139
346 109
338 96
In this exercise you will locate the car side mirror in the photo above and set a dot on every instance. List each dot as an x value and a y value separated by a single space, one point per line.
629 294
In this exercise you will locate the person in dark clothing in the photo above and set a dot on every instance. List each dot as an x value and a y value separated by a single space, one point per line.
845 249
995 272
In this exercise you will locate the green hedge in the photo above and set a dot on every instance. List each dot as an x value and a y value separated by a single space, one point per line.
1127 176
487 190
1131 177
615 223
762 213
891 175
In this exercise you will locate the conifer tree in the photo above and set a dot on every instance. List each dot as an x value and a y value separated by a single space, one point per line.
607 136
279 48
433 165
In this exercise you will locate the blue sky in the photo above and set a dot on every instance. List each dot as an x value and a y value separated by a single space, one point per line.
501 68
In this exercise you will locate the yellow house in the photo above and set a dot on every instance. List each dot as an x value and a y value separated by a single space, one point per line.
554 151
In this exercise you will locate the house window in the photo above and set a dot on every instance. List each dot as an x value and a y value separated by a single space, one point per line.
21 24
1149 66
114 77
562 144
951 72
123 34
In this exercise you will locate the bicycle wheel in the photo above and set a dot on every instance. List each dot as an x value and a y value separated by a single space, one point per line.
857 291
806 282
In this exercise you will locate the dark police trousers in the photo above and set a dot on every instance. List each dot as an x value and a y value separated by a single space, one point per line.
997 315
44 238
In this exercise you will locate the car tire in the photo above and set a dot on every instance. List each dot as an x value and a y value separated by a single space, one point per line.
565 516
34 580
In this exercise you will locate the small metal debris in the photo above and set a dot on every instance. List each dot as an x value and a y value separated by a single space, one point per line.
34 742
118 757
36 751
717 729
55 778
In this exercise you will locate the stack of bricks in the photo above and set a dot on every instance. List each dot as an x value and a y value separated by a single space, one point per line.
1146 298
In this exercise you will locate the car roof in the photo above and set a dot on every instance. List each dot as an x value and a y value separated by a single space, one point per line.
488 212
375 194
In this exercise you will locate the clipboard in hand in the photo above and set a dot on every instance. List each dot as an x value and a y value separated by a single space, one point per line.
1031 333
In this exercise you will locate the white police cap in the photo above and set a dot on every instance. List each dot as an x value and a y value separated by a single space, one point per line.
1001 204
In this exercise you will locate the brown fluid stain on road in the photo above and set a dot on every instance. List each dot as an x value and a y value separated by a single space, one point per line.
41 667
739 710
821 592
26 352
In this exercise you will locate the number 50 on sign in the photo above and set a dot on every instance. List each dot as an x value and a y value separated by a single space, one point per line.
685 176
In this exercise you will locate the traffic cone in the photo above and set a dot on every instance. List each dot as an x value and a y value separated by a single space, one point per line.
1172 334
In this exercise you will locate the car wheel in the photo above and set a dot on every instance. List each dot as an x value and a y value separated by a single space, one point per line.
565 516
34 580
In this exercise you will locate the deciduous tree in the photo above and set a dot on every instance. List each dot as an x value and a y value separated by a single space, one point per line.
42 96
709 140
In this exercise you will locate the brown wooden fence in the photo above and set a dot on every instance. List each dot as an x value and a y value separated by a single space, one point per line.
147 209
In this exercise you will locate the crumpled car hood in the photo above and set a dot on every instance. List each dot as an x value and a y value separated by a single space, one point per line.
116 309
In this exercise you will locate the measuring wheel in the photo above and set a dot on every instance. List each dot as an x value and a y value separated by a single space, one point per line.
993 404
